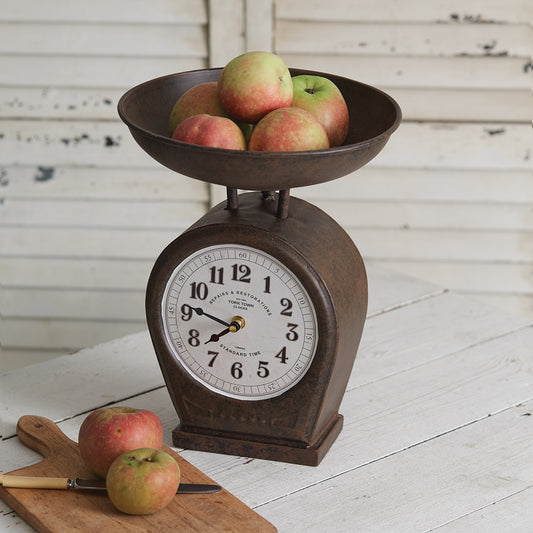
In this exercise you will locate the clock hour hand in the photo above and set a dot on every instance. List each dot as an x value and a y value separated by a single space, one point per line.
216 336
200 312
237 322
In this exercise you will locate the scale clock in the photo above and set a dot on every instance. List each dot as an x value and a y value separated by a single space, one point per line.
269 328
256 311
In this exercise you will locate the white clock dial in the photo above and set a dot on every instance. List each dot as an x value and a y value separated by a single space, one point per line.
239 321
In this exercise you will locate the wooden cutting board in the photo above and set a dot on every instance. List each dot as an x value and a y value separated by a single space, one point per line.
62 510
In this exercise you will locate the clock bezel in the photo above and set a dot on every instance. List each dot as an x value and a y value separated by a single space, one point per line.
181 357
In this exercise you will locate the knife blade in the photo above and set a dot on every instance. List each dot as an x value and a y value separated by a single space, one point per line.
65 483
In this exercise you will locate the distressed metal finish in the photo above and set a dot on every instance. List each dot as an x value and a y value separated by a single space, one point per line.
146 108
300 425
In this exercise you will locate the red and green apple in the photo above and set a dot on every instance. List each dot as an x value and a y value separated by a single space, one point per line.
198 100
288 129
207 130
111 431
253 84
321 97
142 481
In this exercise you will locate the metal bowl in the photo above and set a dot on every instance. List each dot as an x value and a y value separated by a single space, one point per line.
146 108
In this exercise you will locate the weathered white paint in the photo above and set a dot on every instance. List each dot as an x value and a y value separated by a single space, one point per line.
99 183
85 211
226 31
92 72
99 243
259 25
75 273
472 105
132 214
418 185
490 146
450 12
439 201
123 11
455 104
406 39
113 39
437 429
422 72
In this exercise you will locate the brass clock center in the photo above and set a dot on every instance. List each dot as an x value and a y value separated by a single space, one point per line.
237 323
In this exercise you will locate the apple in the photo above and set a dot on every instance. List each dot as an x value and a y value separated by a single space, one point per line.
321 97
253 84
288 129
142 481
207 130
111 431
198 100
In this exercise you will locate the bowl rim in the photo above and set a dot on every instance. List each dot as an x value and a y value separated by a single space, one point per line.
255 153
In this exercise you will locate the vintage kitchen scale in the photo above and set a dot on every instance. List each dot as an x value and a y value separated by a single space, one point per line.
256 311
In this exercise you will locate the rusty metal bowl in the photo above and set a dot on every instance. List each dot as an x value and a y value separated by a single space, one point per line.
146 108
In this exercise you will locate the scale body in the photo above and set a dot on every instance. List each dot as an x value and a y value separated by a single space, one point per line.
300 424
257 310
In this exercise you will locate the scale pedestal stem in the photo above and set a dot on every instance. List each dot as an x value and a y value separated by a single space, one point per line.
283 200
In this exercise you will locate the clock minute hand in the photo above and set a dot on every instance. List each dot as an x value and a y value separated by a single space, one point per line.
199 311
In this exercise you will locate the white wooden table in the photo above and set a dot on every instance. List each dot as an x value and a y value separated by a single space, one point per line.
438 421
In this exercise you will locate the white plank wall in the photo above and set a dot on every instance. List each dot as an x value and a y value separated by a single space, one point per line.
450 199
84 212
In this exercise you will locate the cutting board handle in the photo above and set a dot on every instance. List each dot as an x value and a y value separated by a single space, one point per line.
44 436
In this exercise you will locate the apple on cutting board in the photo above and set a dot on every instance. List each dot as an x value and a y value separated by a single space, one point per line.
111 431
142 481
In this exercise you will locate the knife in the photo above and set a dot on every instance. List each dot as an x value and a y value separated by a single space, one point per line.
28 482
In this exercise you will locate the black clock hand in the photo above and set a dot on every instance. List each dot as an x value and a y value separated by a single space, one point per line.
199 311
237 323
216 336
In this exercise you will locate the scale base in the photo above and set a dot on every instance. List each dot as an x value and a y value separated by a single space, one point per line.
309 456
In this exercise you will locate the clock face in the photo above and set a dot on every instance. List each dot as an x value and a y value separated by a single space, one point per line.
239 322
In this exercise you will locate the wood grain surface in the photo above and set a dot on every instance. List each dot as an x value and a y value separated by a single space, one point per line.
59 510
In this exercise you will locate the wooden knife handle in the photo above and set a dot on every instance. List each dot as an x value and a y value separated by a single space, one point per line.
29 482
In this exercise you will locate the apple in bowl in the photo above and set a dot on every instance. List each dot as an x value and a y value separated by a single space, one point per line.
321 97
288 129
198 100
207 130
253 84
